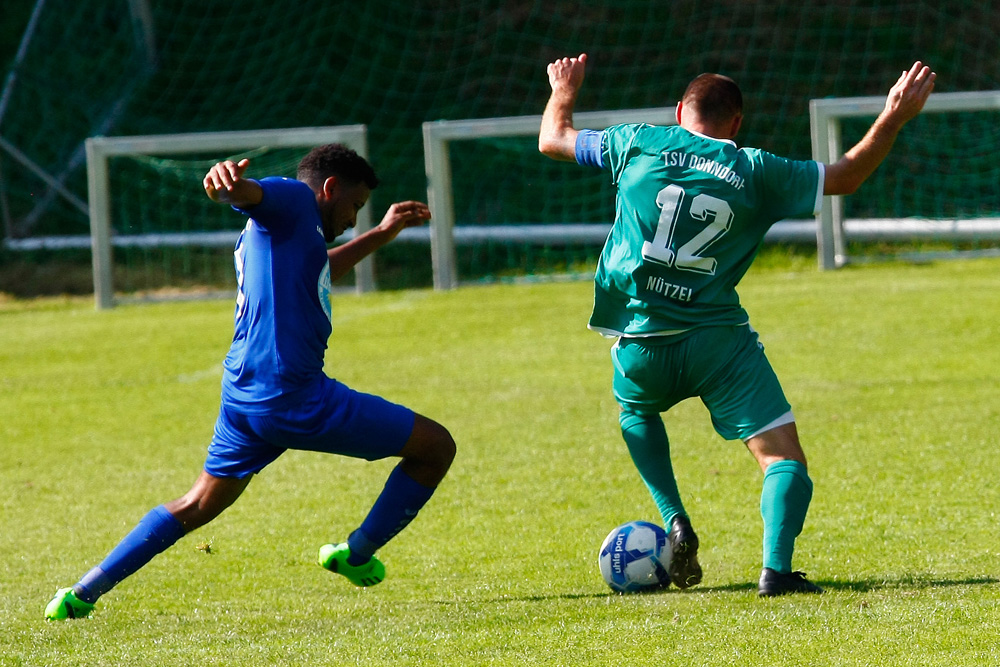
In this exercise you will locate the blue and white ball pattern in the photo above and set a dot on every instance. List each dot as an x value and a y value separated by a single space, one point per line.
633 557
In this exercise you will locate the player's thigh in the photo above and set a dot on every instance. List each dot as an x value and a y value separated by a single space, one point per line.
647 374
340 420
738 386
237 450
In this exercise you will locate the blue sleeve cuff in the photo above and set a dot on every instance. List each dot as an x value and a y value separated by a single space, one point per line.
589 148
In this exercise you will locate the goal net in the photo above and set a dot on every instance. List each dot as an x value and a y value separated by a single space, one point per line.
150 221
503 211
934 197
70 70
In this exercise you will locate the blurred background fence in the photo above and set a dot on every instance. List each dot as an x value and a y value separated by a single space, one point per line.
80 68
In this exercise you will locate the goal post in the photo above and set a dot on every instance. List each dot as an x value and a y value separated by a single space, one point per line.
101 150
834 229
562 224
438 136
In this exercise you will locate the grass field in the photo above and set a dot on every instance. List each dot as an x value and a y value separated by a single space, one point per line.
894 373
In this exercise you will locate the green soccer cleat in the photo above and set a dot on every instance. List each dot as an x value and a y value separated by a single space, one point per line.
66 605
334 557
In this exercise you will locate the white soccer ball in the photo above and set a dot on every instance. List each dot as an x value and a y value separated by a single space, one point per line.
633 556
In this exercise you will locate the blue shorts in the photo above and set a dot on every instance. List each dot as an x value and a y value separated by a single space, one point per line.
336 420
724 366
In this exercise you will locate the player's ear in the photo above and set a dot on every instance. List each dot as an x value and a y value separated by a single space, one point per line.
737 123
330 187
677 112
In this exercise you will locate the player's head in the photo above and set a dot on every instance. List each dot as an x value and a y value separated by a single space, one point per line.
335 160
342 181
714 102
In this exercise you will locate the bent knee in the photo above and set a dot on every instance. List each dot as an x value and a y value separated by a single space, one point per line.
778 444
207 499
191 512
443 448
430 444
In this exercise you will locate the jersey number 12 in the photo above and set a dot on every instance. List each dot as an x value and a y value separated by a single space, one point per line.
704 208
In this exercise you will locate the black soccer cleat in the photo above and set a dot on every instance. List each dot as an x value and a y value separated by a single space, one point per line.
773 583
683 568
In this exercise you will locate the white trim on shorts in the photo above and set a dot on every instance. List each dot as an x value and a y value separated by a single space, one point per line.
787 418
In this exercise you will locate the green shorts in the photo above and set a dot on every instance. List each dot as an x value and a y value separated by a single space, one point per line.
724 366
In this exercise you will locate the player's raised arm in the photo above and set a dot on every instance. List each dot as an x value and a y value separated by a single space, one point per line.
399 216
904 102
224 183
557 136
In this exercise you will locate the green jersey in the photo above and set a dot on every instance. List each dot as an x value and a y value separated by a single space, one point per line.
691 213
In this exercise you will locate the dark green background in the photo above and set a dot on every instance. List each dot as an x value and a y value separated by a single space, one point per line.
393 65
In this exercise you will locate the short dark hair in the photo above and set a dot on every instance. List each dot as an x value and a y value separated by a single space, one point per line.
335 160
714 97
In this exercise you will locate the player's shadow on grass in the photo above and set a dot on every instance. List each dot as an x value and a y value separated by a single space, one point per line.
538 598
907 582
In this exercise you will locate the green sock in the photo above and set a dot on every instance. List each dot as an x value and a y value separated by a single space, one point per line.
647 443
784 501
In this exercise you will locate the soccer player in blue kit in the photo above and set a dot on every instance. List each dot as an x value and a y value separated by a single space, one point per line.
692 210
275 394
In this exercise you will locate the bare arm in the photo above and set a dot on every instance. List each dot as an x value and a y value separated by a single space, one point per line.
224 183
557 136
905 100
399 216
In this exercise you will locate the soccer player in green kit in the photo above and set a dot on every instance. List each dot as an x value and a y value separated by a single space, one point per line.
692 210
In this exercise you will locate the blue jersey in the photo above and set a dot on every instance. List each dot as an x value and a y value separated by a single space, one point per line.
282 319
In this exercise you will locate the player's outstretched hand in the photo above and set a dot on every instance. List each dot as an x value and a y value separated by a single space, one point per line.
567 73
402 215
910 92
223 182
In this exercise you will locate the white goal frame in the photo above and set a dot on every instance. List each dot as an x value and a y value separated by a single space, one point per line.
833 231
446 234
437 164
101 149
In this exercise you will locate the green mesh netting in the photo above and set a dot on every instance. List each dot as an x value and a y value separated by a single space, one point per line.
163 195
129 67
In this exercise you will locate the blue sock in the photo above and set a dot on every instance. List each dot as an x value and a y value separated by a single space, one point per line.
650 449
393 510
154 533
784 501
